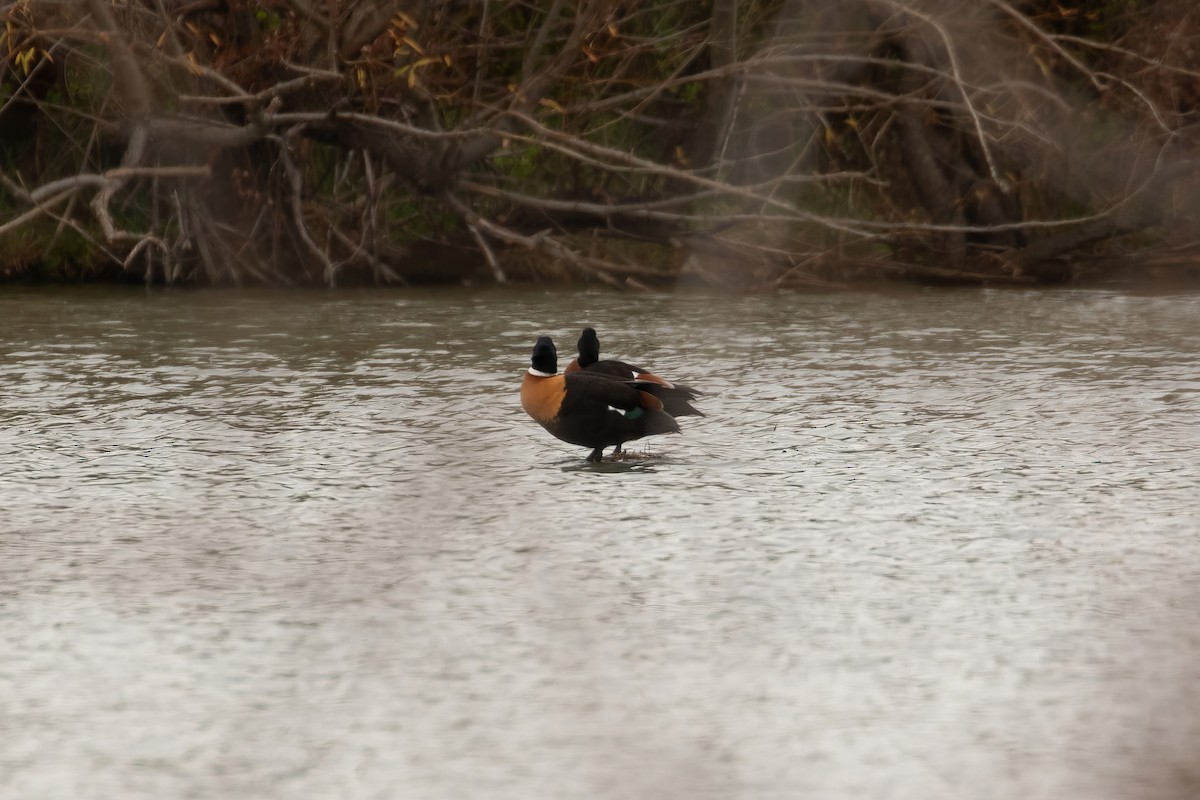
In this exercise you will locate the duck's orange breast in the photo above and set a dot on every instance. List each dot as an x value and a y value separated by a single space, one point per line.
542 397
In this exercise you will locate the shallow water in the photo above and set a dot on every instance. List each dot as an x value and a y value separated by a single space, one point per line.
930 544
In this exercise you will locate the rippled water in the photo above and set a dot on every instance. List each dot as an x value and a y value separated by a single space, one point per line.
937 544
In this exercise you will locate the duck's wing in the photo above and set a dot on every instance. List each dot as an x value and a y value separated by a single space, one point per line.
586 391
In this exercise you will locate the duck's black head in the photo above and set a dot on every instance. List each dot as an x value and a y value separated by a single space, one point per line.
589 347
545 358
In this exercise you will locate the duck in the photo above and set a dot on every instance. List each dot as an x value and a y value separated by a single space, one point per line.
587 409
676 398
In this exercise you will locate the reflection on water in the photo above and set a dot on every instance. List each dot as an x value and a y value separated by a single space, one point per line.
935 544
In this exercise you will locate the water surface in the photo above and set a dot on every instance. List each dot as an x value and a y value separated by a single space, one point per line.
930 544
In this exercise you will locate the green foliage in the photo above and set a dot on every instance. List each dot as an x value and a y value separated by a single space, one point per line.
521 161
44 251
70 253
85 81
410 218
268 19
689 92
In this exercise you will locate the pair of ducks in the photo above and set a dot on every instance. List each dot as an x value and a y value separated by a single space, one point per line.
598 403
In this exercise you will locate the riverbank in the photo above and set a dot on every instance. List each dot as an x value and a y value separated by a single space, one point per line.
1164 270
734 145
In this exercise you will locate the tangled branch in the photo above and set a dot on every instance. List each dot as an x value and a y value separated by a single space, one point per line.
633 143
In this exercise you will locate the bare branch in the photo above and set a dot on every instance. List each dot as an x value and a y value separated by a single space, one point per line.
296 182
1049 41
43 207
129 77
956 77
747 142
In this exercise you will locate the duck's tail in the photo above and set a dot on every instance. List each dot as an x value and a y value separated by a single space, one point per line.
676 400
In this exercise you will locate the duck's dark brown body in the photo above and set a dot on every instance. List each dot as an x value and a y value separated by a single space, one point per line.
593 411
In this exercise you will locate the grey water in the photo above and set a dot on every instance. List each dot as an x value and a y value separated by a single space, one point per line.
925 544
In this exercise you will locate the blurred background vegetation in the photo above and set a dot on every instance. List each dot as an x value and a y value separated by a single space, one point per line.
743 144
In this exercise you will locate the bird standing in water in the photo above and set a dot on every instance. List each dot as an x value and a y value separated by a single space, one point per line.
590 410
677 399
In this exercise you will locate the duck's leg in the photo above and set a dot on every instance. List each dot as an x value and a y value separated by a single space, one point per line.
596 456
617 449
